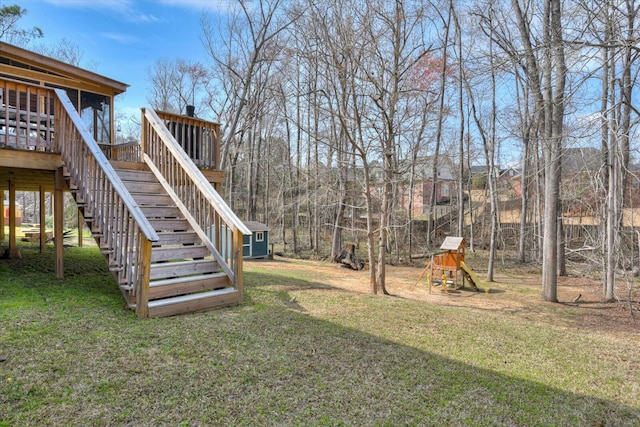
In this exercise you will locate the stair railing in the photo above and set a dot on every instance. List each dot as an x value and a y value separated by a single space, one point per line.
207 212
127 152
125 233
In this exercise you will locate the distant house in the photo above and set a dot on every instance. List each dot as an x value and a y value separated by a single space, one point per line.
445 186
510 183
257 244
423 185
580 160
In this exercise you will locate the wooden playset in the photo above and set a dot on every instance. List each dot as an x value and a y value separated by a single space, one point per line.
447 268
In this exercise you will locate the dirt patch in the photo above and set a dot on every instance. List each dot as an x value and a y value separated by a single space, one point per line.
516 290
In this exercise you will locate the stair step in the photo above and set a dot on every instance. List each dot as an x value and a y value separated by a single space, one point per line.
144 187
153 199
136 175
183 268
177 237
161 212
164 224
167 253
187 285
193 302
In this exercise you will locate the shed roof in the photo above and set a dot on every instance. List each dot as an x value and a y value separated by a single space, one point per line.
452 243
21 63
256 226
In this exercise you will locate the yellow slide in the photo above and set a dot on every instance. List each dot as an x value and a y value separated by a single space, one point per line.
470 276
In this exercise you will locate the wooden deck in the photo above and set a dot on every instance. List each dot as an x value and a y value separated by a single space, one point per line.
170 241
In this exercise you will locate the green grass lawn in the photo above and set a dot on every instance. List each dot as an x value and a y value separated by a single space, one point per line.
297 352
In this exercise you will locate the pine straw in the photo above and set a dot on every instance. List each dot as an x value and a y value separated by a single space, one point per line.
300 351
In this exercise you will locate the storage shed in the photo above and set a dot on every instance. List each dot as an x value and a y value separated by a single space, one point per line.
257 244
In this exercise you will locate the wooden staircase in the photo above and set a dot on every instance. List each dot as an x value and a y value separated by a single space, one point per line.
171 242
184 277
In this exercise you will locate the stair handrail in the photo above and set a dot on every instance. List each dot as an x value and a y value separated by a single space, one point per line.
126 236
136 212
192 171
220 230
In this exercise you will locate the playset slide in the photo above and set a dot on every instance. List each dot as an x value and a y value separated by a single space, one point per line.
470 275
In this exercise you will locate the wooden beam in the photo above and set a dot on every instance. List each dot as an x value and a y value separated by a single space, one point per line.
239 285
58 223
216 146
215 177
28 159
67 82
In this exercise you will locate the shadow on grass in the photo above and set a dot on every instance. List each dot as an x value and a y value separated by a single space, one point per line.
265 363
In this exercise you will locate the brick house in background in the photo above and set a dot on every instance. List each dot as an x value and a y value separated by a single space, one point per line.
445 187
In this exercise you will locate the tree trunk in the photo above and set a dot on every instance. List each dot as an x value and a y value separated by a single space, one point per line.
348 258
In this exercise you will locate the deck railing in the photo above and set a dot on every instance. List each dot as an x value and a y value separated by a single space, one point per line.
216 224
127 152
26 116
125 234
197 137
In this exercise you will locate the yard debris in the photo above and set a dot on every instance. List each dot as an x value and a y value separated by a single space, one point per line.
349 259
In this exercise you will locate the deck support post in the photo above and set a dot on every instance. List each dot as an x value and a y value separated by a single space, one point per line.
2 215
142 291
80 225
58 222
13 251
43 226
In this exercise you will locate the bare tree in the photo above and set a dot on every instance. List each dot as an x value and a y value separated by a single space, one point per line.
615 33
11 32
540 52
254 32
163 77
66 51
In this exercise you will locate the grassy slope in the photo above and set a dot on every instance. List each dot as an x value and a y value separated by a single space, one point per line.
296 353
